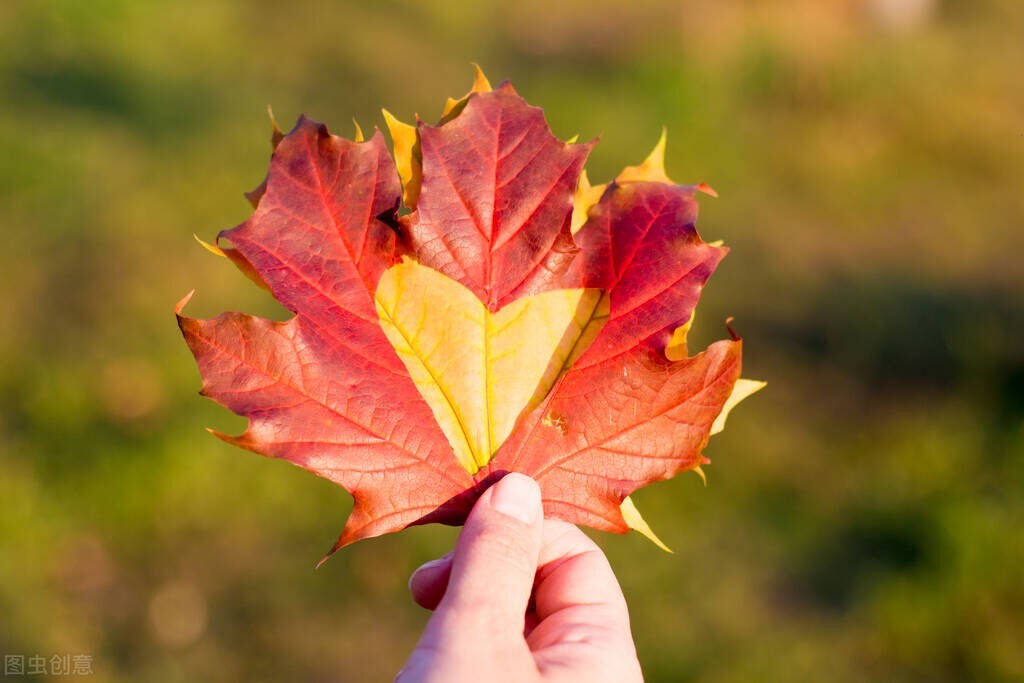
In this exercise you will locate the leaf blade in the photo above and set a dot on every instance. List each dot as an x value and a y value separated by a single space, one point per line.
495 203
479 371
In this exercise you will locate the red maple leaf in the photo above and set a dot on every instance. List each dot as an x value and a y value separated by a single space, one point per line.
477 335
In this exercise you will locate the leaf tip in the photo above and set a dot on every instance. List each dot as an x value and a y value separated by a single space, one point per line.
732 332
677 348
706 189
276 135
213 432
585 198
658 153
700 473
178 307
636 522
343 540
743 389
449 106
405 140
389 119
653 167
480 82
453 106
212 248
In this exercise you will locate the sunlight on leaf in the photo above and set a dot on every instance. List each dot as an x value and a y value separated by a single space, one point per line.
478 370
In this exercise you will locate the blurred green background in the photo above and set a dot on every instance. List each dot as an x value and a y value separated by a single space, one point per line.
863 516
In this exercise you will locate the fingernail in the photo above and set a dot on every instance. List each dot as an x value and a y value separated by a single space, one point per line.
517 496
428 566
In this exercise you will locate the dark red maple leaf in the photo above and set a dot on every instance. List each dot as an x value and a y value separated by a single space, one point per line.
431 354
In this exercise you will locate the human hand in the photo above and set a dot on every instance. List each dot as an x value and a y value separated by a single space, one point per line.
521 599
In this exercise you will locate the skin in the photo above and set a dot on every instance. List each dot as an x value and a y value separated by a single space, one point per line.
521 599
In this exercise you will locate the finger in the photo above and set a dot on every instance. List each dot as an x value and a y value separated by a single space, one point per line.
428 583
574 571
583 631
495 562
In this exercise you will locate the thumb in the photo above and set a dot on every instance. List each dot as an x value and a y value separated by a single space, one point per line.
495 561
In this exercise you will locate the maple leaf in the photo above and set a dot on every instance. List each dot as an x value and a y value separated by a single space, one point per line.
516 318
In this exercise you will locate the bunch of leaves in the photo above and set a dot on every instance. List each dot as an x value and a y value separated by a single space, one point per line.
470 307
